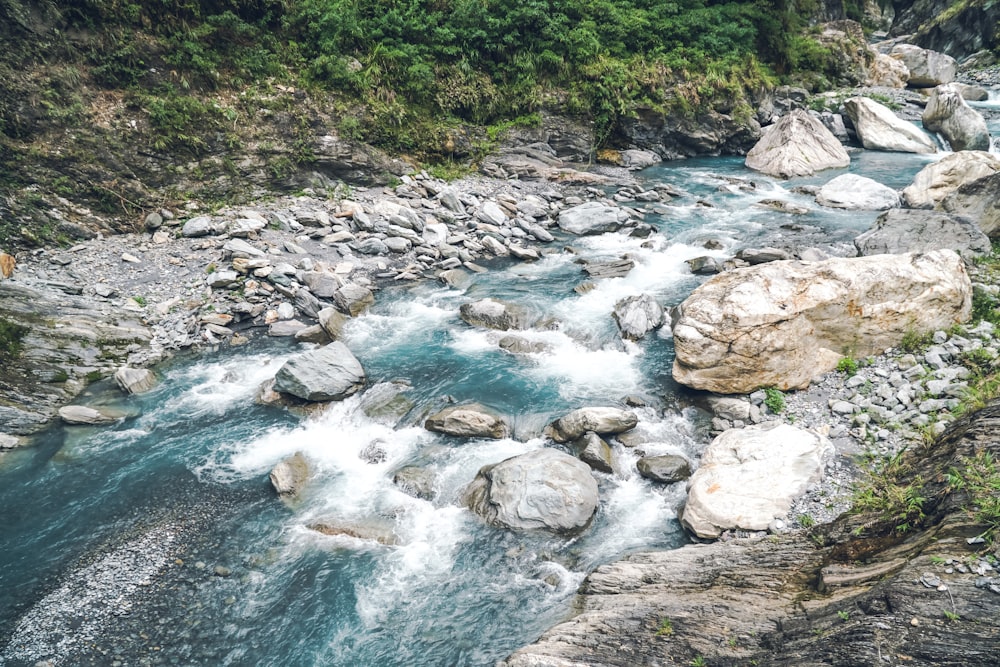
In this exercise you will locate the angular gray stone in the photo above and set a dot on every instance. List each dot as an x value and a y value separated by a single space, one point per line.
797 145
600 420
199 226
666 468
927 68
594 451
493 314
416 481
135 380
637 315
353 299
290 475
978 200
329 373
470 420
914 230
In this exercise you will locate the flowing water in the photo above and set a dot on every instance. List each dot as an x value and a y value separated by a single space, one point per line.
91 515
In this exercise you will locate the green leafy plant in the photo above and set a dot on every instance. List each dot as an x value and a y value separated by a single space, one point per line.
774 399
848 366
951 616
141 300
666 628
11 336
806 521
979 477
699 661
843 615
891 495
914 341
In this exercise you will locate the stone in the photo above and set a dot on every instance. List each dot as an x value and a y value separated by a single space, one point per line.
312 334
353 299
153 221
470 420
914 230
729 408
851 191
936 181
637 315
704 266
594 451
666 468
290 475
222 279
135 380
398 245
797 145
493 314
198 226
7 264
286 328
332 321
886 71
749 477
386 402
978 200
755 256
371 246
322 284
880 129
10 441
455 278
927 68
416 481
245 227
962 127
783 323
328 373
84 415
592 218
542 489
600 420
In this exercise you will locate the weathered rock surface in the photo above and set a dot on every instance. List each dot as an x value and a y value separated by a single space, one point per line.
592 218
329 373
927 68
914 230
880 129
783 323
544 488
468 421
887 71
797 145
963 127
848 594
637 316
493 314
594 451
665 468
85 415
290 475
416 481
851 191
600 420
135 380
978 200
939 179
748 477
373 531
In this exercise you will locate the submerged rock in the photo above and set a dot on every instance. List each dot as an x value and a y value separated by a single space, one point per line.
471 420
290 475
797 145
784 323
329 373
600 420
135 380
416 481
371 531
666 468
544 488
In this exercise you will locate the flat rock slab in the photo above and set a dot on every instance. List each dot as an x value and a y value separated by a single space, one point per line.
749 477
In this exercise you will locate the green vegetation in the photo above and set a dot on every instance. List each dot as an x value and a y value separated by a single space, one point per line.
11 337
847 365
843 615
774 399
951 616
699 661
806 521
914 341
979 477
889 493
666 628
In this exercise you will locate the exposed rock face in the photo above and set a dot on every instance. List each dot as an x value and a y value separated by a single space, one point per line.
748 477
912 230
880 129
851 191
963 127
329 373
637 315
797 145
600 420
783 323
666 468
7 264
887 71
927 68
468 421
544 488
290 475
673 136
493 314
978 200
847 594
960 29
135 380
939 179
592 218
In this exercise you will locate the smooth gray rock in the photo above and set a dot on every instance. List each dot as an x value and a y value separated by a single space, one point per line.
637 315
544 488
914 230
880 129
329 373
135 380
332 321
851 191
84 415
962 127
493 314
666 468
797 145
704 266
290 475
754 256
592 218
471 420
600 420
199 226
594 451
387 402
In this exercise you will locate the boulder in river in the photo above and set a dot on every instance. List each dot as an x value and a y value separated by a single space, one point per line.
600 420
962 127
543 488
939 179
927 68
749 477
290 475
851 191
353 299
135 380
665 468
637 315
493 314
978 200
372 531
784 323
592 218
914 230
880 129
594 451
471 420
329 373
85 415
797 145
416 481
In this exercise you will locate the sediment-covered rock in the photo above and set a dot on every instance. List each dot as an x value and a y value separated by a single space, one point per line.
544 488
939 179
783 323
749 477
797 145
915 230
468 421
330 373
880 129
962 127
600 420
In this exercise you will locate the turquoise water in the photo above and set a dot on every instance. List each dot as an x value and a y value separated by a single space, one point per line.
109 536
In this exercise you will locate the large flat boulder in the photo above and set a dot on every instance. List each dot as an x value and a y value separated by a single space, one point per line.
915 230
468 421
962 127
749 477
879 129
782 324
927 68
851 191
592 218
544 488
939 179
978 200
797 145
329 373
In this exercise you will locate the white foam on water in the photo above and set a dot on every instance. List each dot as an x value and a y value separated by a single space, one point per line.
217 386
403 322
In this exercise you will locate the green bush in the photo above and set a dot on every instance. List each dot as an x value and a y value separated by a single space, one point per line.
11 337
774 399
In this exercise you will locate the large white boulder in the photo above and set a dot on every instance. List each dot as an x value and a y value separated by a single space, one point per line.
857 192
962 127
939 179
783 323
749 477
978 200
879 129
927 68
330 373
637 315
797 145
592 218
544 488
886 71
